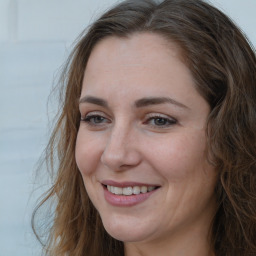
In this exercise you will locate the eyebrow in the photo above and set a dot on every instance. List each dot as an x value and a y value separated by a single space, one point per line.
138 103
94 100
158 100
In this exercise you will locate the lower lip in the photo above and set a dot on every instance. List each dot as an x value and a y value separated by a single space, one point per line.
121 200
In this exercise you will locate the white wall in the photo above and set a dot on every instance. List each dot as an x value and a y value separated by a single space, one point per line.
35 39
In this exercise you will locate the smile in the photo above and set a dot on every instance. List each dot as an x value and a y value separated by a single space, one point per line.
127 191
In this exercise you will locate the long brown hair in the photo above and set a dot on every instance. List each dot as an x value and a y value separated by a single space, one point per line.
223 65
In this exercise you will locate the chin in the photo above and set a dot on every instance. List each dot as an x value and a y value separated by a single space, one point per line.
125 232
125 235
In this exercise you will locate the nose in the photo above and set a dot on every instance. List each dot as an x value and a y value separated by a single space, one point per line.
121 151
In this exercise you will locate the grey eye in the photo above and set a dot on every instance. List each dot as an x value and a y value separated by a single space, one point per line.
97 119
160 121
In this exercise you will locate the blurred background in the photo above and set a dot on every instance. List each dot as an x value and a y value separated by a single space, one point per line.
36 37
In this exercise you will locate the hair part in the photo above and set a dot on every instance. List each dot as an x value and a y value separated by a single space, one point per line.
223 65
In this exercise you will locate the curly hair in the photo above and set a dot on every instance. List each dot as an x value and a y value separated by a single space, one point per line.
223 65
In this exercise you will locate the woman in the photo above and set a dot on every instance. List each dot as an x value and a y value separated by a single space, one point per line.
156 137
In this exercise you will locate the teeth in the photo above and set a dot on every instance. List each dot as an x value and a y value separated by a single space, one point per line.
136 190
151 188
117 190
144 189
127 191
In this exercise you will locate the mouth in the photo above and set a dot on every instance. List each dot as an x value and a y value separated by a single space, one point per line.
130 190
127 193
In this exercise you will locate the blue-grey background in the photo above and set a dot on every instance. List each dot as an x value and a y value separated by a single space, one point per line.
35 39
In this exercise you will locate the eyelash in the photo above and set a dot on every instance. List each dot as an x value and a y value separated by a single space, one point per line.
88 119
168 121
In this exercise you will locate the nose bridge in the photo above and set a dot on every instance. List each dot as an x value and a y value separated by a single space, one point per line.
121 149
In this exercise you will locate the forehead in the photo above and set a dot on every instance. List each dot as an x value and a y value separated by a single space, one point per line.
142 59
138 46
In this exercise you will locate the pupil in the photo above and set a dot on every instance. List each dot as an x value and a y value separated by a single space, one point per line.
98 119
160 121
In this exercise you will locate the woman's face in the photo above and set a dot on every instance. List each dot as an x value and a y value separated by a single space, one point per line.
142 136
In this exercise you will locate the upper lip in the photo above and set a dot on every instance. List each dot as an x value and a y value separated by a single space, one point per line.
126 184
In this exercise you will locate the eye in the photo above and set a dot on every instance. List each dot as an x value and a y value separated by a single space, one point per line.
95 119
160 121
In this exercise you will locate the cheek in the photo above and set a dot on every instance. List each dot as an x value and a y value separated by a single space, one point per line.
189 179
180 156
87 153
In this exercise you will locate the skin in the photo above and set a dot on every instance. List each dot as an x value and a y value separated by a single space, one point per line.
162 144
